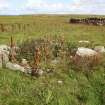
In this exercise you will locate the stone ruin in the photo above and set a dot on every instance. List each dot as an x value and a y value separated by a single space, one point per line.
88 21
83 56
5 61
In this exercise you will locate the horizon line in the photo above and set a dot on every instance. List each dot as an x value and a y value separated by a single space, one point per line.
52 14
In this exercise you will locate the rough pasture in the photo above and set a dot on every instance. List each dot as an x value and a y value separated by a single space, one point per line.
66 86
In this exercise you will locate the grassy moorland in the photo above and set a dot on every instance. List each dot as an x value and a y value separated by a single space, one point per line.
52 25
78 88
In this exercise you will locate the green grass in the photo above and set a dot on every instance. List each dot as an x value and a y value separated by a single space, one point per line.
53 25
78 88
18 89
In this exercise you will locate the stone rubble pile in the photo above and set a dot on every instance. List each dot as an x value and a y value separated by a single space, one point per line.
88 21
4 59
23 67
82 55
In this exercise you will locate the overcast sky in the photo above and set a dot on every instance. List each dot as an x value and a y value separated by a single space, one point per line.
16 7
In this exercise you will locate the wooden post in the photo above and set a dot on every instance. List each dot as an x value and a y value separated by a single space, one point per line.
12 54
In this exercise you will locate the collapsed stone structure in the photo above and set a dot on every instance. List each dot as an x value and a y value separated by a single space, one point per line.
88 21
5 62
82 56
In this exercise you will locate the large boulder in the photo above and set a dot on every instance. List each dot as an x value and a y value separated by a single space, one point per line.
86 57
85 52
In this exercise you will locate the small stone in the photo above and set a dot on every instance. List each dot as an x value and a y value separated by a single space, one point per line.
55 61
28 70
49 70
37 72
71 57
84 41
40 72
60 82
24 62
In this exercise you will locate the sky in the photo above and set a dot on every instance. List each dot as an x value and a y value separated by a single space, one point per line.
19 7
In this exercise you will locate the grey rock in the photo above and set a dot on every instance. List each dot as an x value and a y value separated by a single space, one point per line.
4 48
28 70
60 81
13 66
100 49
24 62
85 52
